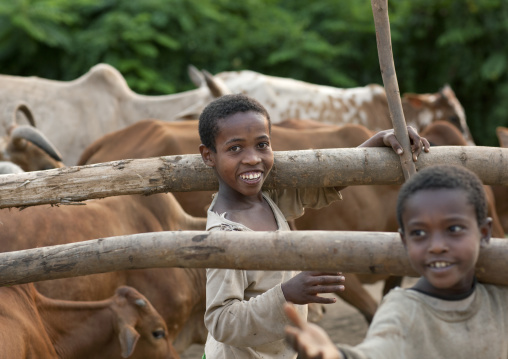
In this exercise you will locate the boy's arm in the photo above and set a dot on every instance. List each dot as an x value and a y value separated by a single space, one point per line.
242 323
389 334
309 340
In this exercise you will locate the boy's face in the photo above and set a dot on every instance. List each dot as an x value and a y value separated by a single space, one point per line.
244 155
443 239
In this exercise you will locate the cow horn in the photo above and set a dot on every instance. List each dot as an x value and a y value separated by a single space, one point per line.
36 137
23 107
195 75
216 86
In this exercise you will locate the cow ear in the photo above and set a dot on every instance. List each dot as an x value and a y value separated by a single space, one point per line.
128 339
502 136
414 100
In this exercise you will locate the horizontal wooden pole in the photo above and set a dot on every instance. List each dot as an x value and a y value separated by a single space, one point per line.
349 252
307 168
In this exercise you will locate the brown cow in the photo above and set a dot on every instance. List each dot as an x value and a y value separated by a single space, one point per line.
176 293
501 192
123 326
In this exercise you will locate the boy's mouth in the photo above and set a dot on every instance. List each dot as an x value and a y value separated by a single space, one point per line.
439 264
252 176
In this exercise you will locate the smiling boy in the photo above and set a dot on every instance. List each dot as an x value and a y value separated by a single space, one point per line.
442 214
244 309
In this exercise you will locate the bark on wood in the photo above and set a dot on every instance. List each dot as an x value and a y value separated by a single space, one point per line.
384 49
350 252
308 168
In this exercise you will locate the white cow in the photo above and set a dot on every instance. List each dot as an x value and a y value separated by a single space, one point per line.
73 114
287 98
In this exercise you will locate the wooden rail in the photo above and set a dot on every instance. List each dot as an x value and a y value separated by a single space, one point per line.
307 168
347 251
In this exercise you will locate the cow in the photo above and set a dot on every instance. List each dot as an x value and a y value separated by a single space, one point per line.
151 138
73 114
27 147
501 192
178 294
123 326
286 98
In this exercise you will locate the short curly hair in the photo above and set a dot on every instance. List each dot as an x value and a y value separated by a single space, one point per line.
222 108
445 177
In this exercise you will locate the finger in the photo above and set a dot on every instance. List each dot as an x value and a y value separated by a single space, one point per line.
318 289
291 334
426 144
391 141
322 300
293 316
316 273
327 279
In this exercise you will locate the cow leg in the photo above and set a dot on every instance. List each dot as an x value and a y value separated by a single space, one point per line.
193 332
356 295
390 283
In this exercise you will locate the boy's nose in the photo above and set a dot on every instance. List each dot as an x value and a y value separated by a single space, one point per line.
438 244
251 157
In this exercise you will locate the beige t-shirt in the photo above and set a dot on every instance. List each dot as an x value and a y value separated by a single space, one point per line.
412 325
244 308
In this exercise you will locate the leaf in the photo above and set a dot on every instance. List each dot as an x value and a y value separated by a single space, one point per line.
494 67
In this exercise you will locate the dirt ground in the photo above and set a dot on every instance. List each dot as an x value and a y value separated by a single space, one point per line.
342 322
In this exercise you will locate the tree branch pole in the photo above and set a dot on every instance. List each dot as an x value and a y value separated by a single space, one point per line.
384 49
297 169
347 251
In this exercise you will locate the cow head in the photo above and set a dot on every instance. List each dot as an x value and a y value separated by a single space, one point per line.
27 147
441 106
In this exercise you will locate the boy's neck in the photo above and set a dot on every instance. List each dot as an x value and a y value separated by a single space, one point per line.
228 201
423 286
253 212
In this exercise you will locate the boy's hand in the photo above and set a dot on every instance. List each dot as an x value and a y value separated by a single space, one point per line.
387 138
309 340
305 287
416 141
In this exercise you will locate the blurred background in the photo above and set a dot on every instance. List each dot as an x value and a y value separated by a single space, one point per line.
463 43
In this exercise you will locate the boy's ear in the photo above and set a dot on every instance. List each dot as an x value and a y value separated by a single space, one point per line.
402 236
206 155
486 232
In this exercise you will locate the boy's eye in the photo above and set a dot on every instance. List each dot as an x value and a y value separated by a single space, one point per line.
417 233
264 145
235 148
455 228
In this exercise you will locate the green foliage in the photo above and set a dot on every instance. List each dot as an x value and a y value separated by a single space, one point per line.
151 42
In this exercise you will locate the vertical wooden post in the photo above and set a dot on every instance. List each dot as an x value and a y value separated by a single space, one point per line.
384 49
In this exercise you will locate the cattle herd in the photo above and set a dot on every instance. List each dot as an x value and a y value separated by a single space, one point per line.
158 313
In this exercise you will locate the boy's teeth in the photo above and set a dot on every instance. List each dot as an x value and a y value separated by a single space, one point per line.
439 264
251 176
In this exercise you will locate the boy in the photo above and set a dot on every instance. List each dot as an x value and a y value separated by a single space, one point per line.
442 214
244 309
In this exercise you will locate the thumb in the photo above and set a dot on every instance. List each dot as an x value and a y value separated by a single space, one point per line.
293 316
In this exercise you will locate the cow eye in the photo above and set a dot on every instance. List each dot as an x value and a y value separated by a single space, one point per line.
159 334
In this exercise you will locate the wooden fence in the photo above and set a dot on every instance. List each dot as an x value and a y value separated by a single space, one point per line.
306 168
350 252
356 252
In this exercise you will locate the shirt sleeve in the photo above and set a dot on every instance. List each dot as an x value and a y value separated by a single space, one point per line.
293 201
386 333
242 323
